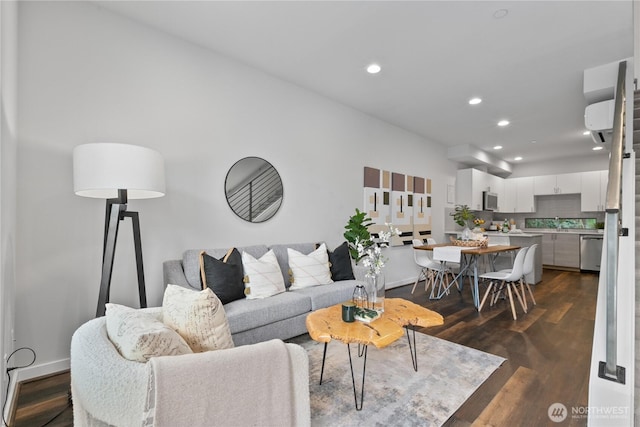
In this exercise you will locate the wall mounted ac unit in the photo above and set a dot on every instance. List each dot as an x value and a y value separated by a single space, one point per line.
598 118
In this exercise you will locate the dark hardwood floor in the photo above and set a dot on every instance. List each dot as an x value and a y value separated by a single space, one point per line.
548 353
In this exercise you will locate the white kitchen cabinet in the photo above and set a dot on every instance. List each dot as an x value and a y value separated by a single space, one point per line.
525 196
544 185
593 191
470 183
517 195
495 184
509 202
566 183
561 249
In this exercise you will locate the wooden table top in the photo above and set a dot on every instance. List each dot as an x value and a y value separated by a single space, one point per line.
473 251
327 324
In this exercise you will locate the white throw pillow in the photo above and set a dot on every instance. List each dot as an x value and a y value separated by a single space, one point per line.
139 336
309 270
263 277
198 316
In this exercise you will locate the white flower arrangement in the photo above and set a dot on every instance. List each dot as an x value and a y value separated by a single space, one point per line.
371 255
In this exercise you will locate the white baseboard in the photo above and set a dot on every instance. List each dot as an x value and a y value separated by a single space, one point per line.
24 374
10 397
42 370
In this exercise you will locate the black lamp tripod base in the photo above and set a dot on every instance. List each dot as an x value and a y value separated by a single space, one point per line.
115 212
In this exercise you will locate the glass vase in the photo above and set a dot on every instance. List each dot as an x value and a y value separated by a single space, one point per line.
466 234
376 290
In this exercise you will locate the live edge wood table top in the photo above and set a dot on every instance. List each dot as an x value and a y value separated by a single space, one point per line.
326 324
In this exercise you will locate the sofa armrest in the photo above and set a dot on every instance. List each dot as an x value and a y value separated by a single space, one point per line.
106 388
173 274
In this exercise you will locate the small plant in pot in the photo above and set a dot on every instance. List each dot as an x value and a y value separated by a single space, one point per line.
463 216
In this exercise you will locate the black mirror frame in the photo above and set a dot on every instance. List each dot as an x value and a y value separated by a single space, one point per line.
264 179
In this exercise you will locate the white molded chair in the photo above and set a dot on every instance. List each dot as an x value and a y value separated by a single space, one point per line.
428 267
510 279
529 265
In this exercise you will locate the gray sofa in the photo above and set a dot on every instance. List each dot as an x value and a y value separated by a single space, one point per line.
280 316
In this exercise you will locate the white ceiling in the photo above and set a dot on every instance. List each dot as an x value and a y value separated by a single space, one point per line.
435 55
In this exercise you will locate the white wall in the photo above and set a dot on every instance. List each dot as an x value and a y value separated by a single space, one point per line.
577 164
87 76
8 140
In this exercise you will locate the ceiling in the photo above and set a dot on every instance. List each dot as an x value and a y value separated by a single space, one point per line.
527 66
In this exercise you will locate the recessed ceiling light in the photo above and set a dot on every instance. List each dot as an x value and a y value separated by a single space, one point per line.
500 13
534 141
503 122
475 101
597 148
517 159
497 147
373 68
586 132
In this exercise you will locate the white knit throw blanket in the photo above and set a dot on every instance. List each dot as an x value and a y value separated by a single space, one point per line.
247 385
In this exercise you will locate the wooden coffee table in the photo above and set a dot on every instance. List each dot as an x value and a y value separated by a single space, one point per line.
326 324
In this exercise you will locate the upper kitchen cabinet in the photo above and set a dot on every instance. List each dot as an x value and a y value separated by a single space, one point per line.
594 191
566 183
517 195
470 183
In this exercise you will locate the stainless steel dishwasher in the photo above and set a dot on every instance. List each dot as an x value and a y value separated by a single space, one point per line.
590 252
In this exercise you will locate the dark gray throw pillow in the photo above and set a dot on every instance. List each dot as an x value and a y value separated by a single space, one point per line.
223 276
340 263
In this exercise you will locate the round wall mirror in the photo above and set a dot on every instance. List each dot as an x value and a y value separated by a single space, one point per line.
254 189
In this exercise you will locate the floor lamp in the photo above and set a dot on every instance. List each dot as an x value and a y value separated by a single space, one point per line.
117 173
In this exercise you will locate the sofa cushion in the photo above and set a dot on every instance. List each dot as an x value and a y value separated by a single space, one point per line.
340 260
263 277
223 276
283 256
191 260
139 336
325 296
309 270
198 316
248 314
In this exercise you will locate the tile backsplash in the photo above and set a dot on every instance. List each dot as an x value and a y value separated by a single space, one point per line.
563 206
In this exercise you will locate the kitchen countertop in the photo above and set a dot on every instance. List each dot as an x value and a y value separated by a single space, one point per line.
498 233
532 233
566 231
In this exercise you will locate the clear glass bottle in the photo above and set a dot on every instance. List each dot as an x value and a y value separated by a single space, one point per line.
360 297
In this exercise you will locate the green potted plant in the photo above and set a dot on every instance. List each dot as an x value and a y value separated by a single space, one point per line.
463 216
358 231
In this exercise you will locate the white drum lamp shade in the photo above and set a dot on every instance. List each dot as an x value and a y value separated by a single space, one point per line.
101 169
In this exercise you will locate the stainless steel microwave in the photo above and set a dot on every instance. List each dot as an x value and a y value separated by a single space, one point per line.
489 201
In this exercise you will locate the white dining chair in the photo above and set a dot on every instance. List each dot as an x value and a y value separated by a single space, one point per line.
507 279
527 269
428 267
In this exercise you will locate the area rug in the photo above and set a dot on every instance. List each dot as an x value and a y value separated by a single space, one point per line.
394 394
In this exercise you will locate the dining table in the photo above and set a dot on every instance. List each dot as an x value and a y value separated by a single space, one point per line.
469 260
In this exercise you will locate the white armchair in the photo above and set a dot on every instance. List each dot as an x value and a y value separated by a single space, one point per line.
234 386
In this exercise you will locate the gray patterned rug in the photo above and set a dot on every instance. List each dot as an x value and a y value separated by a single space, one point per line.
395 395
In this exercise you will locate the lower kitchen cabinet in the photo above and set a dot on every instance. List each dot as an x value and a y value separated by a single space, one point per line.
561 249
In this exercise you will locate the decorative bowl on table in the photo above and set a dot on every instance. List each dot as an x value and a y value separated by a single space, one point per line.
479 243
